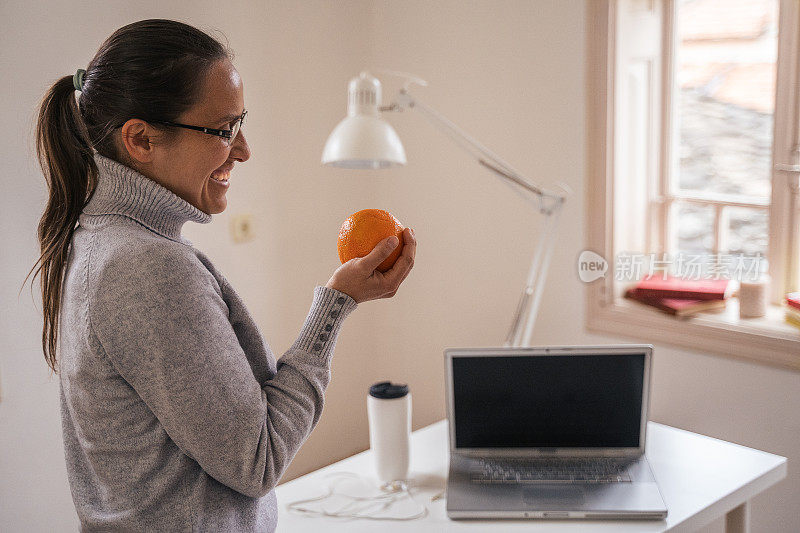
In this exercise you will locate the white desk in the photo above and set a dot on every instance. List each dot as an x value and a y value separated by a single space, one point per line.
700 478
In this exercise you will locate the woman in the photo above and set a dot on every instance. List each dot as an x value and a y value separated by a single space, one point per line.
176 415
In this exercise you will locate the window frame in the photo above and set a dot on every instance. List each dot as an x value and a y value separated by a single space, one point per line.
767 340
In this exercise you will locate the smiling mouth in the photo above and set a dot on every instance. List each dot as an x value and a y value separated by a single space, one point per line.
222 177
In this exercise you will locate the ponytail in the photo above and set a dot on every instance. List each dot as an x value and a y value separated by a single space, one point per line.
67 161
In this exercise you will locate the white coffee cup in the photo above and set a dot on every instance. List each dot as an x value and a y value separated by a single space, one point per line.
389 415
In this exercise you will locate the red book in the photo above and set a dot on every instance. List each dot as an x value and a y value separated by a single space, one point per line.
676 306
793 300
656 286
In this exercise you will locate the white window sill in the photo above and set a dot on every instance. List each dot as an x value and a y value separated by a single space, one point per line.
767 340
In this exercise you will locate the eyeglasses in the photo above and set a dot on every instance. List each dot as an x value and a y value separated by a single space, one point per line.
228 135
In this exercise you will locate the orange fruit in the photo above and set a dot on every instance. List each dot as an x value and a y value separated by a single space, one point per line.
363 230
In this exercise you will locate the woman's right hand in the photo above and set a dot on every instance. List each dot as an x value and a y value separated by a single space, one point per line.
359 279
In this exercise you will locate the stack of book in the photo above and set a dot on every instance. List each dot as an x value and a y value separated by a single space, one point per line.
679 296
792 309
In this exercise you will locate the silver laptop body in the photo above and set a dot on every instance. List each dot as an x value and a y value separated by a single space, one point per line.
550 432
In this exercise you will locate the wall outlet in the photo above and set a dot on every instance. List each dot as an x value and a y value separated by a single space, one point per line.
242 227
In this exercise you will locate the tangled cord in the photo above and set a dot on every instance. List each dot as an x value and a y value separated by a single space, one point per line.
393 491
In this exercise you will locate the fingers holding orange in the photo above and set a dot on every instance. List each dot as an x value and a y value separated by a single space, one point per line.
371 267
410 248
405 262
362 231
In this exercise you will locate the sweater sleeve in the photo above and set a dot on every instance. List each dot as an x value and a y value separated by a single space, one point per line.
162 321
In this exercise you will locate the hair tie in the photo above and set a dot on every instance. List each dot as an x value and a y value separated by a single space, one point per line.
77 79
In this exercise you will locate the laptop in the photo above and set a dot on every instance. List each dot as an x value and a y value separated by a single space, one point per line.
550 432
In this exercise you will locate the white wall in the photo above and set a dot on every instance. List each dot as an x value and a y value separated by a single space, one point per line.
509 72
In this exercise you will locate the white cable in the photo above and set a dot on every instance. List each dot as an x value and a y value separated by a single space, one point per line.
393 491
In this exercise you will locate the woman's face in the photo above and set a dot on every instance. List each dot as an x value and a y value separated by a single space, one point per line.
185 166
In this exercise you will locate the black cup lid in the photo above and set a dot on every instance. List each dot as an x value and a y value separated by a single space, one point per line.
386 390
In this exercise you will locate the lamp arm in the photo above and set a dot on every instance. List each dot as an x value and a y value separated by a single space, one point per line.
524 317
521 330
484 156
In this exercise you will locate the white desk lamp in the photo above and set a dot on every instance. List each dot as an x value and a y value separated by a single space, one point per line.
363 140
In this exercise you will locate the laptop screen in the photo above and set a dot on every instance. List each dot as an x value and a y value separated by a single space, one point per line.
581 401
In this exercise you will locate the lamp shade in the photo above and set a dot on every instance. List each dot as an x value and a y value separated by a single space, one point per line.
363 139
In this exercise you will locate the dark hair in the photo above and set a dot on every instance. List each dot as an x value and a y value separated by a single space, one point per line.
152 69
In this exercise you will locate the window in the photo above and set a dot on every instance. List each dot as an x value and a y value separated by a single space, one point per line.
693 148
719 181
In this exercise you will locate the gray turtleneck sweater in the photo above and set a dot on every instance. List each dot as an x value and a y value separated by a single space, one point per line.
175 414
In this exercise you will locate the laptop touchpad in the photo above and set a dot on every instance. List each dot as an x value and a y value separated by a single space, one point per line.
552 494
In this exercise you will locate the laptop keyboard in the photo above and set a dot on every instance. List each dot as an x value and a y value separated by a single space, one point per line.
551 470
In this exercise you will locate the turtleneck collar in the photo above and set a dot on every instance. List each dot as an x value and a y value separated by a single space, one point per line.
122 190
